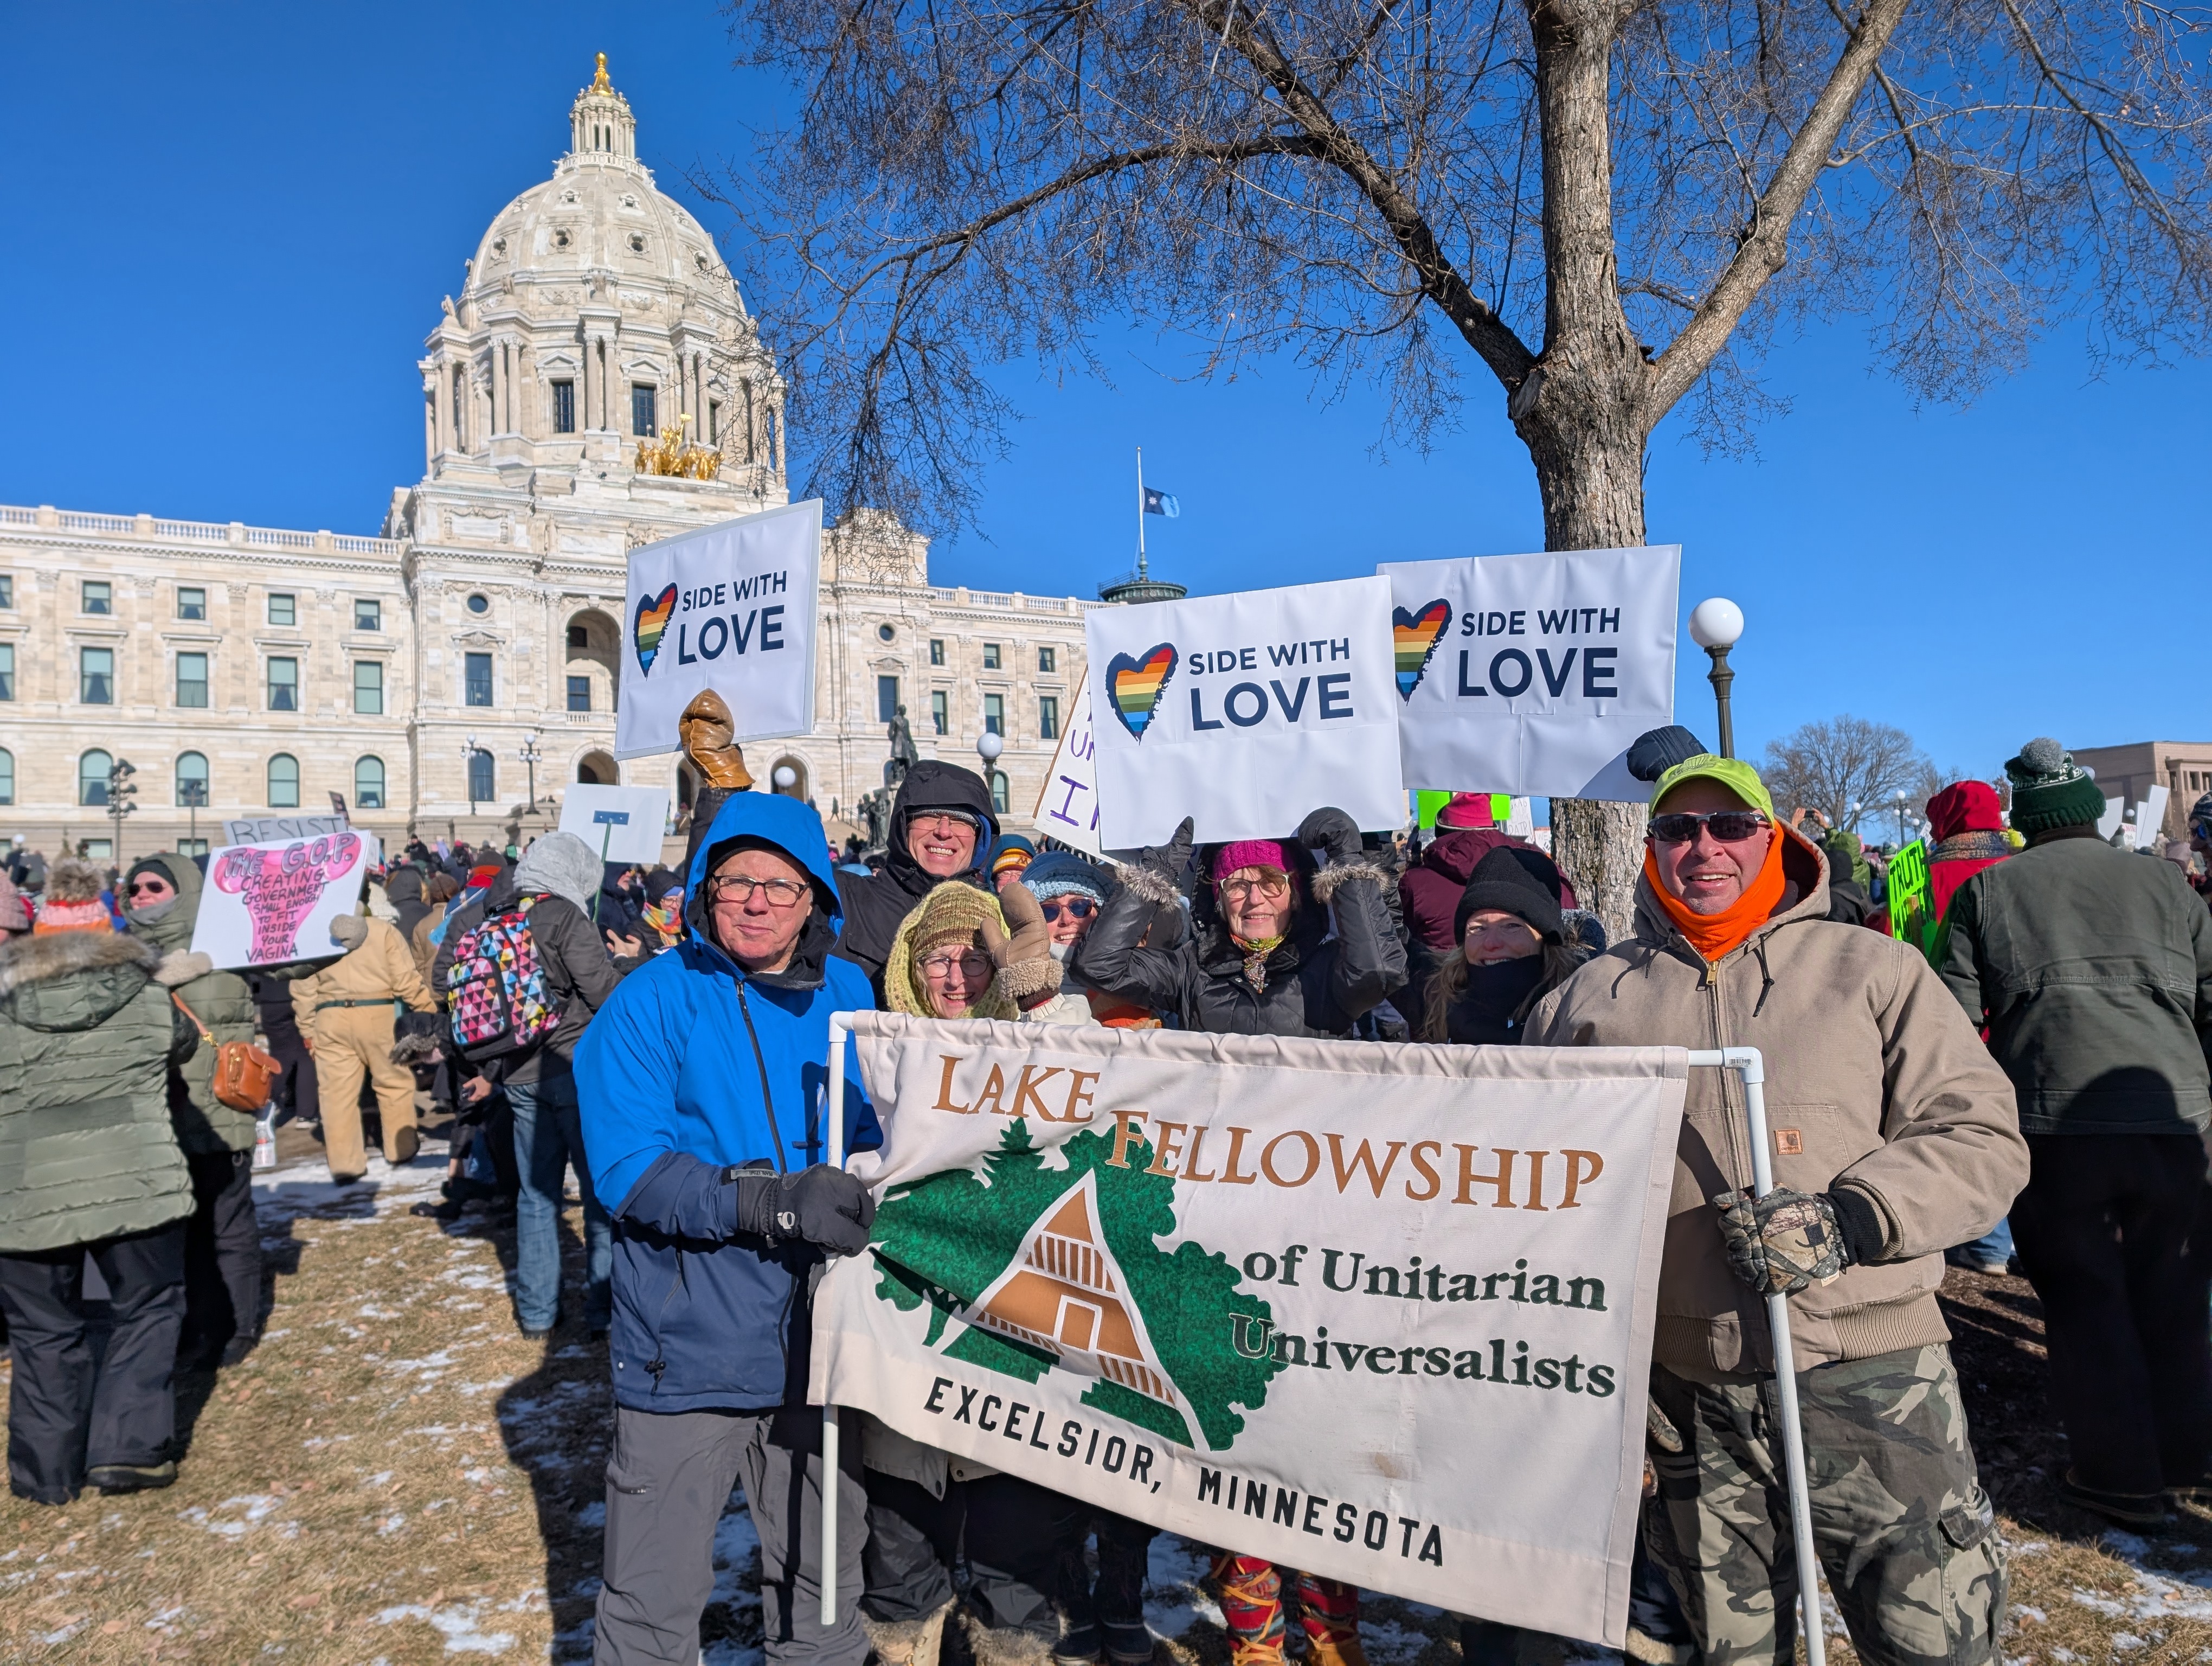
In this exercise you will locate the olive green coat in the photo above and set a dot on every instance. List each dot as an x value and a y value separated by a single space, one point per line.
224 1002
87 1034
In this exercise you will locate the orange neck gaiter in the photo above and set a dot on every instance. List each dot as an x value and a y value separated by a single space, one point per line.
1713 935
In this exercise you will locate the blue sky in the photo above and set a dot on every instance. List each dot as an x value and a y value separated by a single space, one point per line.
233 224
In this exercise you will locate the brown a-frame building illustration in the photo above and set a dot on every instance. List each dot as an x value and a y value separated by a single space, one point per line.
1066 1294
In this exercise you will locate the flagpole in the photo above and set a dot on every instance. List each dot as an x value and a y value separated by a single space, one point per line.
1140 510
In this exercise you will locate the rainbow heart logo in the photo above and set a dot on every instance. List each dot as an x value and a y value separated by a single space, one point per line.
652 615
1414 636
1137 684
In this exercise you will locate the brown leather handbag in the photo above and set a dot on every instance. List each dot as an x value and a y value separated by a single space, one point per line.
245 1076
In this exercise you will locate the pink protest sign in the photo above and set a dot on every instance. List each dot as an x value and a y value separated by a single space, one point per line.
267 904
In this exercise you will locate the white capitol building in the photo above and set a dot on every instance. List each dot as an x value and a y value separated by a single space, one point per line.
248 670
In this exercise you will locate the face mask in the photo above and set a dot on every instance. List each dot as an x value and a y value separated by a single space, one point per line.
1061 950
153 911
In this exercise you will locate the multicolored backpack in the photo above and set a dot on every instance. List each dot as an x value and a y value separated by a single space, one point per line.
497 996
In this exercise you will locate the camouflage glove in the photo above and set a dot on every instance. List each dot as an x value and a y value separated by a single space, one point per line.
705 729
1783 1243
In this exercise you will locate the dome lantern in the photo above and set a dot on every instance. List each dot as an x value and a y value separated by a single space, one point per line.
600 120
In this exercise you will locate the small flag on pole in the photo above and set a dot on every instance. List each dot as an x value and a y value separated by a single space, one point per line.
1158 502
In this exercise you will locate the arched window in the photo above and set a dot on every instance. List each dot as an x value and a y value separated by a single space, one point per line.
368 783
1000 787
191 781
7 776
284 781
91 778
481 783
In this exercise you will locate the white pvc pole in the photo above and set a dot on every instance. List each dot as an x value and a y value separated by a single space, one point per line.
1748 1062
841 1025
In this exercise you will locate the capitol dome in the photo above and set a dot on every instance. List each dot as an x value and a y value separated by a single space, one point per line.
596 321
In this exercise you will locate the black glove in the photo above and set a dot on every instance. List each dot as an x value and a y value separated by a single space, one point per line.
1330 829
822 1206
1784 1242
1171 861
1658 751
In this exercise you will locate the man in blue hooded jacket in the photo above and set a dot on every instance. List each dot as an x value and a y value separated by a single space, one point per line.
702 1084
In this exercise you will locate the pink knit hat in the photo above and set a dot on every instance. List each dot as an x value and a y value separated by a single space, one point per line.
1467 810
1251 853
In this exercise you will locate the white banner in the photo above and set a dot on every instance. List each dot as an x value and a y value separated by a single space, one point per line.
731 609
622 823
1067 804
1244 712
264 904
1317 1301
1534 674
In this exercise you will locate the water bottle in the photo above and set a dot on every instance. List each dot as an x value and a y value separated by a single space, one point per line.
264 1140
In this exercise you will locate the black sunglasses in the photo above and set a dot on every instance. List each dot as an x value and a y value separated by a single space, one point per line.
1075 908
1727 826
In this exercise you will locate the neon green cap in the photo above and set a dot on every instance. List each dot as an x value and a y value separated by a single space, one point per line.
1733 773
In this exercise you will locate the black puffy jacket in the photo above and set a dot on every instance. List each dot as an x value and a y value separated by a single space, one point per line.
875 904
1317 984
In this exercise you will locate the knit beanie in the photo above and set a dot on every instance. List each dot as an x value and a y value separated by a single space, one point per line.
1522 883
1250 852
1658 751
2050 790
1965 806
1056 873
71 903
954 912
1467 810
1009 850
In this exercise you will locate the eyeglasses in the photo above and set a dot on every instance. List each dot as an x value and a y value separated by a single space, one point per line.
1267 884
972 964
736 888
940 820
137 885
1075 908
1727 826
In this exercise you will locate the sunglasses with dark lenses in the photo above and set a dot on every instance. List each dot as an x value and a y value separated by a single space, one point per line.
1727 826
1075 908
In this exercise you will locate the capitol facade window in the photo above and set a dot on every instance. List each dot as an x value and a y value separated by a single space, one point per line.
96 596
367 613
994 713
887 700
7 776
481 782
990 656
95 682
284 781
940 711
368 783
368 688
1048 659
191 780
92 769
283 609
937 650
6 670
192 680
641 416
476 679
283 685
564 407
479 603
1048 717
191 602
580 694
7 590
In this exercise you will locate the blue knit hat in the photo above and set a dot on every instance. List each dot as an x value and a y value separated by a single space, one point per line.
1056 873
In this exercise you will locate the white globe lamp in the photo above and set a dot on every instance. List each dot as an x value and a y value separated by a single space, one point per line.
1715 625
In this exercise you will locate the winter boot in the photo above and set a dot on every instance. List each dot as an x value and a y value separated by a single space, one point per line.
1330 1611
1252 1608
908 1642
1003 1645
1118 1597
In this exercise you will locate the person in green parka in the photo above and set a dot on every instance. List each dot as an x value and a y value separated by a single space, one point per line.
222 1242
89 1165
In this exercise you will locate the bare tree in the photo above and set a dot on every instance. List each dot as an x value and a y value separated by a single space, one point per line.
1607 207
1849 771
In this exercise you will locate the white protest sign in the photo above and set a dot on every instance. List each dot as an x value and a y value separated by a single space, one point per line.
1067 803
1191 1278
622 824
1244 712
732 609
281 829
264 904
2150 817
1534 674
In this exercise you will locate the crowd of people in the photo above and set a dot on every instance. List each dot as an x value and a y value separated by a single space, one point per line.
2029 1045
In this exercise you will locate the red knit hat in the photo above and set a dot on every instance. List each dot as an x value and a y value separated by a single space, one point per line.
1467 810
1250 852
71 902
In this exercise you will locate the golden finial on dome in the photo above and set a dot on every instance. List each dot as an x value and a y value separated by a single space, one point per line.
599 81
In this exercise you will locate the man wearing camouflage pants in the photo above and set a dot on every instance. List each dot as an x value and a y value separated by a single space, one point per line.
1893 1136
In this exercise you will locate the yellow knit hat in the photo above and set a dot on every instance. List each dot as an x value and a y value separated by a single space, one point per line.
955 912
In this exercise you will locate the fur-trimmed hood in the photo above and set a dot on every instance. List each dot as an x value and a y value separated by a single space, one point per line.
79 980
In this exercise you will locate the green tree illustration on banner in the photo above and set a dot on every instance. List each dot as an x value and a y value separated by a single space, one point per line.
951 1237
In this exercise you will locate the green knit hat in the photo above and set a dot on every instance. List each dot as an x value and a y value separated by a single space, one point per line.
1733 773
2051 790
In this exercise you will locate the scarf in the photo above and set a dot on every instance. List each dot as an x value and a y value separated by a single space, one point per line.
1713 935
1255 954
663 920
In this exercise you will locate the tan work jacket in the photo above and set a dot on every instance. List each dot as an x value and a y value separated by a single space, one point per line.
380 969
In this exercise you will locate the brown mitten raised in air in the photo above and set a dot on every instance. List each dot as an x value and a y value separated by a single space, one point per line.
1027 970
705 729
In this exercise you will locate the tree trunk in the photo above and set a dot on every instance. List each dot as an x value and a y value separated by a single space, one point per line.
1582 411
